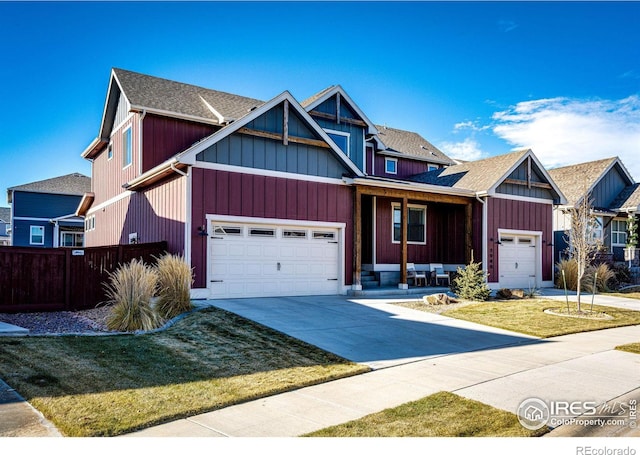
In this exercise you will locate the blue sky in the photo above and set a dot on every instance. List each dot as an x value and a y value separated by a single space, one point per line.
476 79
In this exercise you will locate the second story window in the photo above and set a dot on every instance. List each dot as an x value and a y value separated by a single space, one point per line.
391 165
341 139
127 148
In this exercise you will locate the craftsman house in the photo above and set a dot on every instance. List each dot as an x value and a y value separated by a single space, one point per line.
43 212
614 196
290 198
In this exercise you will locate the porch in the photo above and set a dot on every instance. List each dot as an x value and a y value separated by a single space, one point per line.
420 224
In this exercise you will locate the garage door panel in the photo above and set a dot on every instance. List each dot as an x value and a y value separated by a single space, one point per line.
285 263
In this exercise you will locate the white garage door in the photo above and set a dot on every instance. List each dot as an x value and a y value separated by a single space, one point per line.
255 260
517 263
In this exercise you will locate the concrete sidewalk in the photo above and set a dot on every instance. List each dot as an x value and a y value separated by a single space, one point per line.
576 367
572 367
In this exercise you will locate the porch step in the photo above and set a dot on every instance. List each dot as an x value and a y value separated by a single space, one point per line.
369 280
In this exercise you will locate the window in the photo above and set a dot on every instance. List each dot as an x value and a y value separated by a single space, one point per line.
416 226
110 152
127 144
341 139
227 230
290 234
619 232
37 235
596 231
432 167
72 239
391 165
258 232
321 235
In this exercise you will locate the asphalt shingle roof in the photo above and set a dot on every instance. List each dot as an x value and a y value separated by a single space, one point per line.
476 176
5 214
575 180
629 198
75 184
412 144
176 97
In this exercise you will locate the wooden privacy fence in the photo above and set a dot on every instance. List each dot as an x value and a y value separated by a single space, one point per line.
56 279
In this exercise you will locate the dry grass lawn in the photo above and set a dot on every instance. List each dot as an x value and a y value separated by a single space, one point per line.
110 385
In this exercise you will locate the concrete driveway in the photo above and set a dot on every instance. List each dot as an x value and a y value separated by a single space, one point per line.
370 331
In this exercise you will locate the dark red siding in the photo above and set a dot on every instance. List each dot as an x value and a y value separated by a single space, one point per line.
406 168
164 137
522 216
445 240
228 193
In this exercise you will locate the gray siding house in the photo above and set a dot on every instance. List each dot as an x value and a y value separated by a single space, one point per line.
44 212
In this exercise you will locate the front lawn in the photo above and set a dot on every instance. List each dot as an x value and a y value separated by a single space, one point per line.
442 414
631 347
110 385
528 316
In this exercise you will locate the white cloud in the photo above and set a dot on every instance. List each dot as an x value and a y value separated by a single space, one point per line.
563 131
467 150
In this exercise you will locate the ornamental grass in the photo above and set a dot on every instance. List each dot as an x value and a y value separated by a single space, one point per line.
130 291
175 278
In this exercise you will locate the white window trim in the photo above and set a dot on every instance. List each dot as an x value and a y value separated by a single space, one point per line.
109 151
395 205
126 164
72 233
31 242
625 232
395 165
341 133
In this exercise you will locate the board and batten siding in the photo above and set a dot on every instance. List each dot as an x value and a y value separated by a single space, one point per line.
521 173
606 190
217 192
519 215
406 167
156 214
108 175
445 236
164 137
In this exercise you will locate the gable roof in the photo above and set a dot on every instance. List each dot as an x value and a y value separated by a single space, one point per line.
628 200
5 214
483 176
310 103
146 93
71 184
188 157
410 144
579 179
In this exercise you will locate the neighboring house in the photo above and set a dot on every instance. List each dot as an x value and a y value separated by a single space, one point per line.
286 198
5 226
614 198
43 212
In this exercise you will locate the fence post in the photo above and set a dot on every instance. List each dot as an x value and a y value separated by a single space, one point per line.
67 279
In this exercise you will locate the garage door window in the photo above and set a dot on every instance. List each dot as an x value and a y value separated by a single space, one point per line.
290 234
323 235
227 230
261 232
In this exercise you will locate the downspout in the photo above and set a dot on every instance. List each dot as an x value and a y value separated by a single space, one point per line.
485 211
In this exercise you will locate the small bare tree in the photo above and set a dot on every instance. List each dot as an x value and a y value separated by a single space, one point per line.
583 243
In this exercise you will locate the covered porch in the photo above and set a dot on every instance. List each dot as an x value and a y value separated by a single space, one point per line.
400 223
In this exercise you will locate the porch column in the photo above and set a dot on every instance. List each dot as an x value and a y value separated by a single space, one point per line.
357 241
403 240
468 232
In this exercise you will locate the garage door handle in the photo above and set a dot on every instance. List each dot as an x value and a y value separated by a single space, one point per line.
332 279
516 265
217 281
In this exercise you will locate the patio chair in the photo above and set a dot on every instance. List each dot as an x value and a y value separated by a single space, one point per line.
413 274
438 273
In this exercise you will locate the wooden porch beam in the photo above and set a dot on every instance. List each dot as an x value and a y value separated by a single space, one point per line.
414 195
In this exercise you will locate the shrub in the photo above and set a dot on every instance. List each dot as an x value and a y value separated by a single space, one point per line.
174 286
130 290
570 267
471 283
